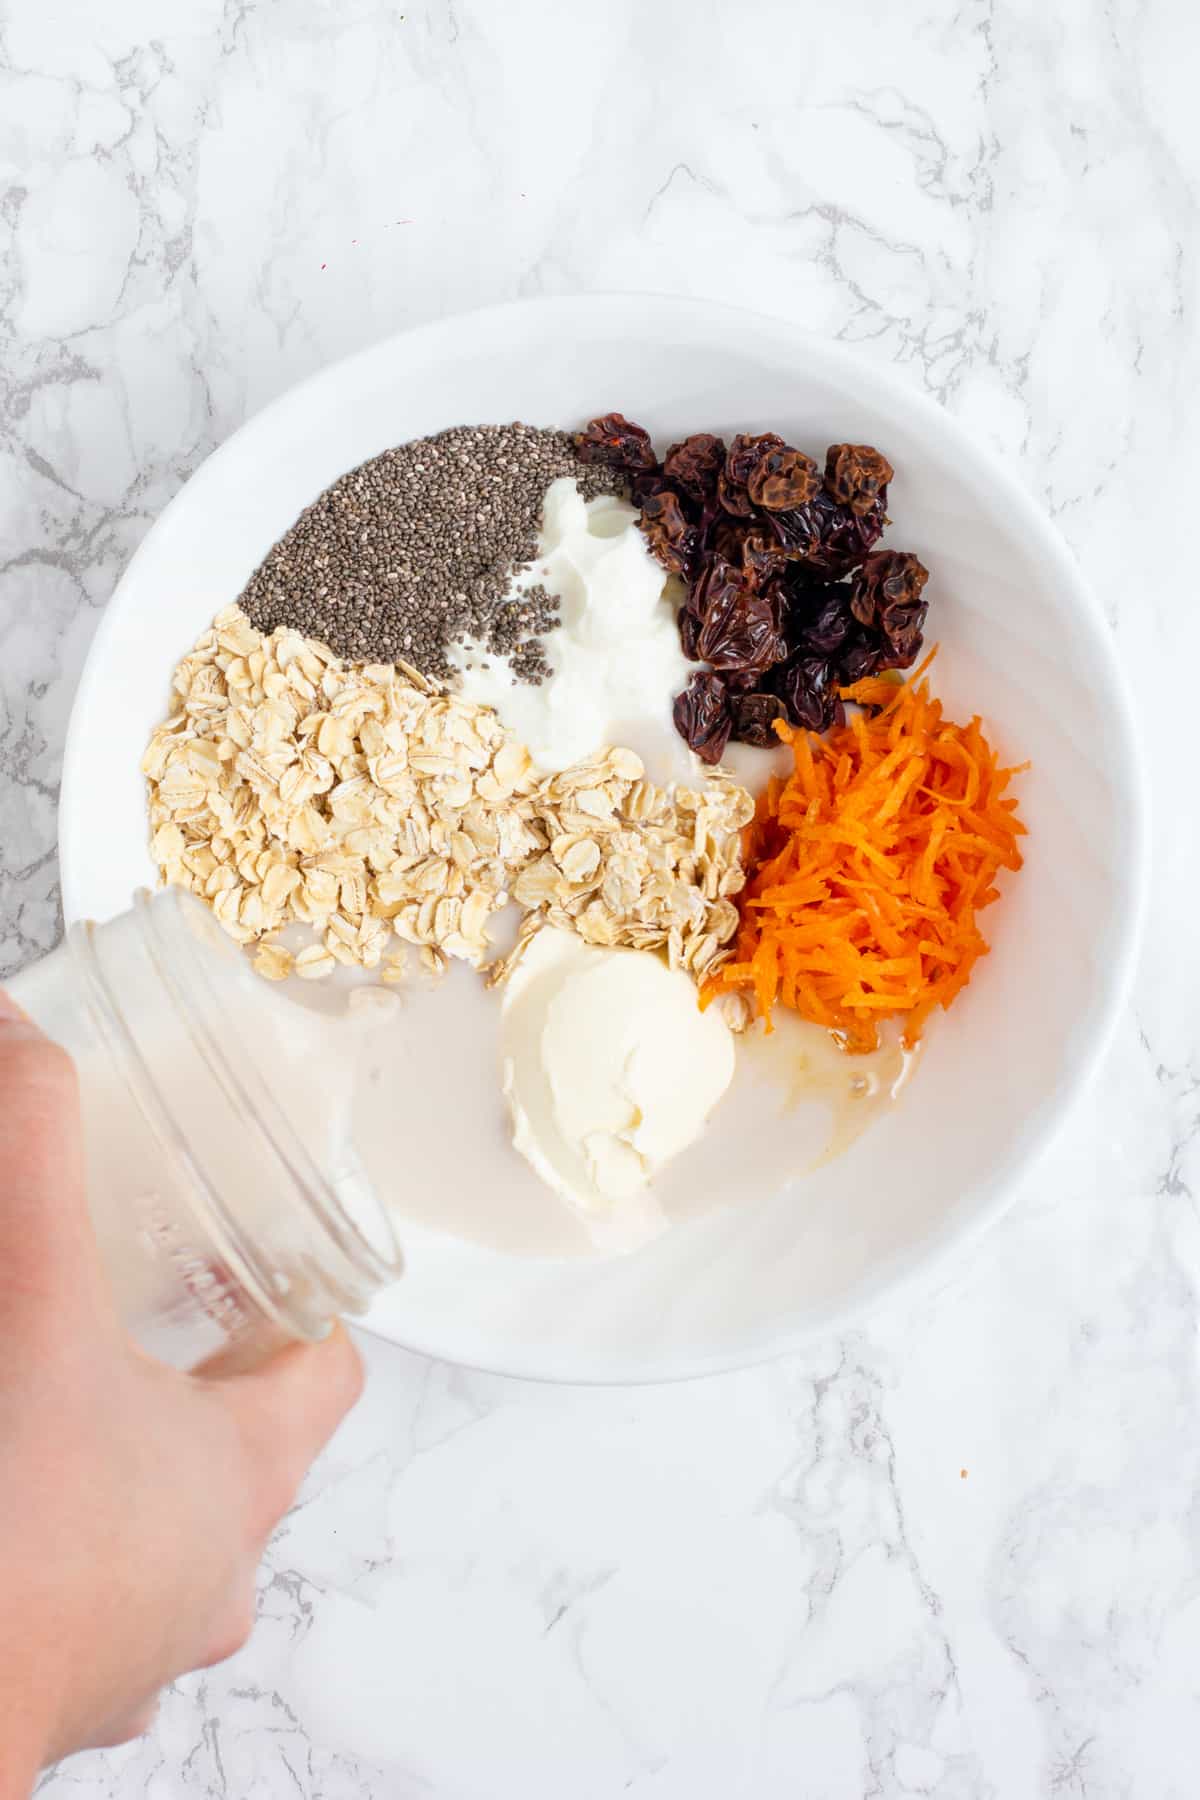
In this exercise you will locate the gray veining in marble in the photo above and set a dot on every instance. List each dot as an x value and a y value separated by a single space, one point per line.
955 1554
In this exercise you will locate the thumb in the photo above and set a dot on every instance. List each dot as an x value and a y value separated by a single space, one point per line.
286 1411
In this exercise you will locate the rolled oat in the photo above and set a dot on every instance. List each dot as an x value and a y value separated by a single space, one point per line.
288 787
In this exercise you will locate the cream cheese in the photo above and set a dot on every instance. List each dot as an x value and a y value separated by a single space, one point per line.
610 1070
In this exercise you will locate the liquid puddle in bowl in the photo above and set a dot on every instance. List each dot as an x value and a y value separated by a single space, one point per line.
431 1125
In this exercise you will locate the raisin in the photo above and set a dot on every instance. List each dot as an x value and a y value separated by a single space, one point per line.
826 536
807 685
783 478
741 628
702 716
612 439
903 636
741 460
820 619
861 655
644 484
797 532
857 476
694 465
754 717
668 531
734 498
754 550
887 579
886 598
745 452
689 633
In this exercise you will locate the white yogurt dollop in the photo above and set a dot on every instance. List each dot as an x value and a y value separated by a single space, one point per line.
610 1070
615 660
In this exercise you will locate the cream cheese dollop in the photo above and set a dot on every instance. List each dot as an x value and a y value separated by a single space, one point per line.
610 1069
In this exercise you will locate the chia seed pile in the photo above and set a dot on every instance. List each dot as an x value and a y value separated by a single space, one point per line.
414 551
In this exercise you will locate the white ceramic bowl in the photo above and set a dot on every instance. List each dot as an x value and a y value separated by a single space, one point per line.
1022 643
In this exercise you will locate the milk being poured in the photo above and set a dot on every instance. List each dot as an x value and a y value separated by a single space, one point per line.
230 1208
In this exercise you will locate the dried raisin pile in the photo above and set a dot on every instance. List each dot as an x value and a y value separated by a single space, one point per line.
788 599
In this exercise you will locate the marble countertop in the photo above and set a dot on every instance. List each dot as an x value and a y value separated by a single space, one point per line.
956 1553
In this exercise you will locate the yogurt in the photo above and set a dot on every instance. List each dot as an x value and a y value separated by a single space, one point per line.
615 660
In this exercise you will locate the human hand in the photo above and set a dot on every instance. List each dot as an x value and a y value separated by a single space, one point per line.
135 1501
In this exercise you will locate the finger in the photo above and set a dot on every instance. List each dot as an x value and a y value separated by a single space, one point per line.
43 1211
131 1725
287 1411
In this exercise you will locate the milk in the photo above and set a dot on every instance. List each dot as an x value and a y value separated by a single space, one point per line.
230 1209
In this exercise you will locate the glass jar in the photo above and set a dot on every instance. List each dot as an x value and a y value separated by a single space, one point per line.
229 1206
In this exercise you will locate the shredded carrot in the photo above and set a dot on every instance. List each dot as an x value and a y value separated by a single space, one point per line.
868 865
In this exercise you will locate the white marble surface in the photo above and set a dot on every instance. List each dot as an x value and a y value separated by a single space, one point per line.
955 1554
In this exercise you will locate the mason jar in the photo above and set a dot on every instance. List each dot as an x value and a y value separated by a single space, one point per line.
230 1209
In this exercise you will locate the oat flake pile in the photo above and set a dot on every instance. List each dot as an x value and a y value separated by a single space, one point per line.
289 787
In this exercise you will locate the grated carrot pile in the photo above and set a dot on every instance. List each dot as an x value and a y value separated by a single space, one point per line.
868 865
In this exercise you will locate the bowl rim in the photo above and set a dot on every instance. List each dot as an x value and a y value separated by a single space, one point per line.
924 1262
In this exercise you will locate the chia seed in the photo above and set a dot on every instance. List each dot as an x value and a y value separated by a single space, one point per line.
414 551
